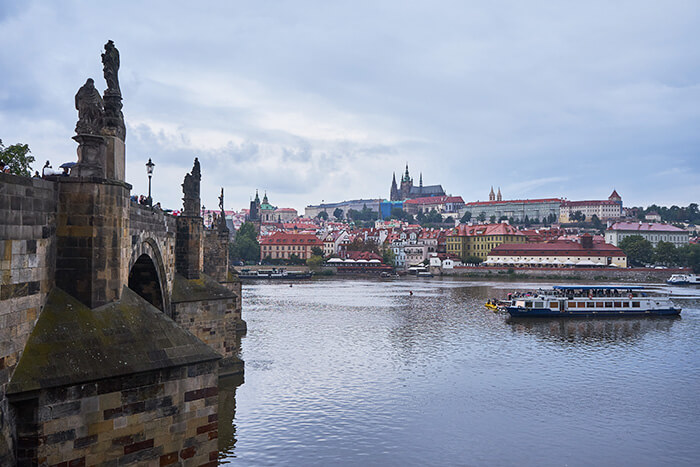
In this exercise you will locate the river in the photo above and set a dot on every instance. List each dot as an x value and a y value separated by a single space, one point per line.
361 372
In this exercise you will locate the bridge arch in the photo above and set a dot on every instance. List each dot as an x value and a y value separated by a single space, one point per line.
147 275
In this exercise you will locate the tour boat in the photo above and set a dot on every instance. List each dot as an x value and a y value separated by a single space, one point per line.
274 273
591 302
683 279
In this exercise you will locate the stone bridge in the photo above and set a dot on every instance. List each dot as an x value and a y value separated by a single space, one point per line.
116 320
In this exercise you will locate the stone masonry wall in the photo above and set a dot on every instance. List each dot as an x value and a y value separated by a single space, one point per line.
215 249
92 242
153 233
27 262
160 418
188 247
216 323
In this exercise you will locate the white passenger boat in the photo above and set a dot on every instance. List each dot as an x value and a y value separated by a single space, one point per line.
591 301
684 279
274 273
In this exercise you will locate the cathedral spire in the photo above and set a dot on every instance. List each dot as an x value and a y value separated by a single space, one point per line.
394 195
498 196
492 195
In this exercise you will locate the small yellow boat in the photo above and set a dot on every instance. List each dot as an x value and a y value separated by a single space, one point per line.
491 306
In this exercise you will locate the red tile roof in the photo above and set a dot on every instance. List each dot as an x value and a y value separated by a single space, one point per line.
645 227
284 238
555 248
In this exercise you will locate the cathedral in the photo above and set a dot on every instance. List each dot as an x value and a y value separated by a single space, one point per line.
408 191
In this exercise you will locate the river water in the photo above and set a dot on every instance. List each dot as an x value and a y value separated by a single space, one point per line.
361 372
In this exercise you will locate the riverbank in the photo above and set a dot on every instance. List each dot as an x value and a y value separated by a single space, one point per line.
565 274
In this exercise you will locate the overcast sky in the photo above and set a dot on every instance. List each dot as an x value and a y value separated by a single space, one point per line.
323 100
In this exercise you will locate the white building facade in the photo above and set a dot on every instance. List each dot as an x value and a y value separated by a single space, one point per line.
653 232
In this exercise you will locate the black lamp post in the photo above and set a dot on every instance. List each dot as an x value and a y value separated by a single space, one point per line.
149 170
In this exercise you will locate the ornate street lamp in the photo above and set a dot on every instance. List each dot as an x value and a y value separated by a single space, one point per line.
149 170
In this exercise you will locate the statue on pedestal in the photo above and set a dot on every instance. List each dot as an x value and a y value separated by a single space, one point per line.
223 228
114 118
110 67
190 188
90 107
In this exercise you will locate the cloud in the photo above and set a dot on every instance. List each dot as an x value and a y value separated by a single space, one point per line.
317 100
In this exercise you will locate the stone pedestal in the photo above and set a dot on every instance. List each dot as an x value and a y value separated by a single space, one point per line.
91 156
92 241
113 117
115 155
216 255
188 246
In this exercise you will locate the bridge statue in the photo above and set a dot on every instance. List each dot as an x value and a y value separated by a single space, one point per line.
190 188
90 107
223 229
114 118
110 62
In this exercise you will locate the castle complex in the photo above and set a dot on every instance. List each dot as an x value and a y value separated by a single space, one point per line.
408 191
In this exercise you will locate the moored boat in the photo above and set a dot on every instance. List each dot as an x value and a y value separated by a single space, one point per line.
274 273
684 279
591 301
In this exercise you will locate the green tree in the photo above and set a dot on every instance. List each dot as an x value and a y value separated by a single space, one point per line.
472 259
481 217
338 213
492 219
449 220
433 217
322 215
314 261
597 224
639 250
18 157
388 257
665 253
420 217
317 251
689 256
578 216
466 217
245 246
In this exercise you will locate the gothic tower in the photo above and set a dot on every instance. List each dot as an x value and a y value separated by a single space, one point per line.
406 185
498 196
394 195
492 195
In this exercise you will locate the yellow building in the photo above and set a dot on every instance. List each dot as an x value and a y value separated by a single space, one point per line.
479 240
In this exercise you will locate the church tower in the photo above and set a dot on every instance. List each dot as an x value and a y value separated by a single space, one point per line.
492 195
394 195
406 185
498 196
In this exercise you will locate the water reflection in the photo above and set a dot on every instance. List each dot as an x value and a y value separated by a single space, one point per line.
227 414
591 331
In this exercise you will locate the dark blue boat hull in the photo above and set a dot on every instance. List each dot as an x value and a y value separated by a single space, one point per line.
517 312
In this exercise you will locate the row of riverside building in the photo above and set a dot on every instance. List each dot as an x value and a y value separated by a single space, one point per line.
491 243
491 235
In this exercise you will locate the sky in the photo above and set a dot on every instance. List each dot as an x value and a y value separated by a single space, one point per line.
318 101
